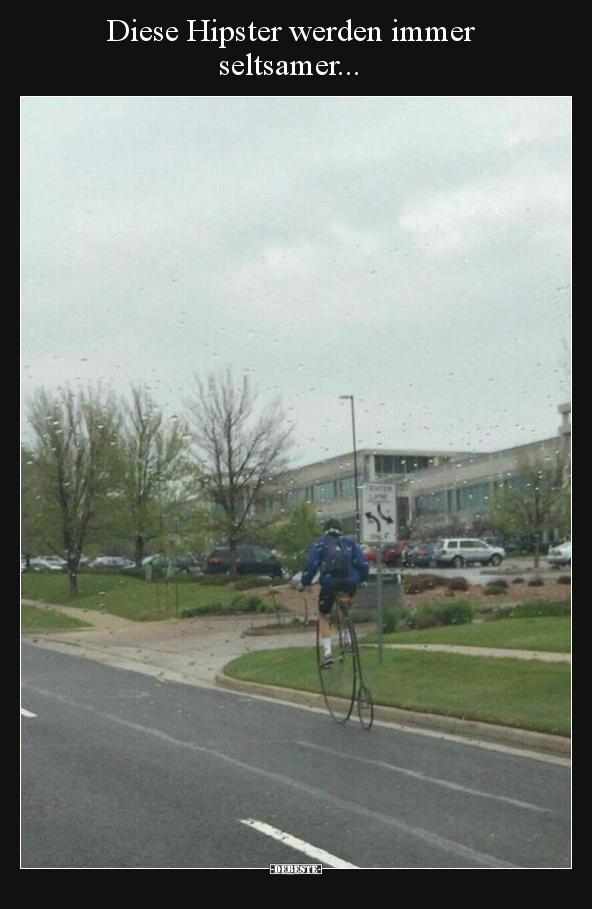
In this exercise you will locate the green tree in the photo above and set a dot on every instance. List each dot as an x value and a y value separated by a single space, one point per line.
153 461
239 447
536 501
72 468
295 536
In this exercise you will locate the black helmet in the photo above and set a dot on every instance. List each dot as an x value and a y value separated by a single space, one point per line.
332 526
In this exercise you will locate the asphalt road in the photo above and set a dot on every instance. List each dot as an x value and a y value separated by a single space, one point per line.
120 770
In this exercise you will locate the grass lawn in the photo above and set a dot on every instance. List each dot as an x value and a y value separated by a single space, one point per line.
551 633
524 694
34 619
127 597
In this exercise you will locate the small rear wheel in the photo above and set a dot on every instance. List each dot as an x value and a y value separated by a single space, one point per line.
458 561
365 707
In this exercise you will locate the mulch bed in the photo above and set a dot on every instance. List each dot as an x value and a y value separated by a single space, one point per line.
292 603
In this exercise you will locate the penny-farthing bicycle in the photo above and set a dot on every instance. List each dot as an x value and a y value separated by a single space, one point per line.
342 683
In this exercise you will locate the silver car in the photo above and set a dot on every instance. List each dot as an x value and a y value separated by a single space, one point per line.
458 552
560 555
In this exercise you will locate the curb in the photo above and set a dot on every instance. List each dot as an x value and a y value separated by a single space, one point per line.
544 743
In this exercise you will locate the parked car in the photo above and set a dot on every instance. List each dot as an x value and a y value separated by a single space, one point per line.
391 554
256 560
460 552
48 563
186 562
421 555
560 555
370 553
111 562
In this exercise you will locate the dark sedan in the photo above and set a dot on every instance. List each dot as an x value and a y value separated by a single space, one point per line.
255 560
422 555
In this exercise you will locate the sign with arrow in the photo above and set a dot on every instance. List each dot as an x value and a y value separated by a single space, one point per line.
379 513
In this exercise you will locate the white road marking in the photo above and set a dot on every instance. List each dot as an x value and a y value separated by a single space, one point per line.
27 712
301 845
430 779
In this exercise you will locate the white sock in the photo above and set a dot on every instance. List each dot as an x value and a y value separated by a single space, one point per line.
327 646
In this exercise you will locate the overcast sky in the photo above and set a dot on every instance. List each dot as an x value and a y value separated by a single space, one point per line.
414 252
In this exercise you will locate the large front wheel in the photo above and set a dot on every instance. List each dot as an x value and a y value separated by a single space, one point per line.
338 681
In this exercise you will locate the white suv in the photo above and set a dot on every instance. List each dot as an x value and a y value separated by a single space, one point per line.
560 554
465 552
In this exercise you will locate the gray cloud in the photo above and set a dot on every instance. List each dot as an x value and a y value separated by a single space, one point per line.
414 252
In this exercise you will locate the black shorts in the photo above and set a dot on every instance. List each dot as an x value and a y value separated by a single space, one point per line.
328 591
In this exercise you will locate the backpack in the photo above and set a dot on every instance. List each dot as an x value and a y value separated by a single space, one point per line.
336 559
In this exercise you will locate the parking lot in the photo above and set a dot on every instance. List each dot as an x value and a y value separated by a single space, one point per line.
509 569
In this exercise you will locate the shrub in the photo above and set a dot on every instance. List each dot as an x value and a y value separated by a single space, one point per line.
455 613
498 612
419 583
242 603
536 582
249 581
494 590
422 582
417 621
529 610
457 584
564 579
499 582
393 617
210 609
518 581
253 604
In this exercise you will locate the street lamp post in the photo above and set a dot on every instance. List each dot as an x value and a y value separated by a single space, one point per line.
350 398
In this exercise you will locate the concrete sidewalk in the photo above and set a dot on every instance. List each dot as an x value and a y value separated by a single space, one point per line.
195 651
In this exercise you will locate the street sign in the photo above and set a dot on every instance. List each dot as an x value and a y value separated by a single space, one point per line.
379 513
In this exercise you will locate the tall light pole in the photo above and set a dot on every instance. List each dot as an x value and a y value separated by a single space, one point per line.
350 398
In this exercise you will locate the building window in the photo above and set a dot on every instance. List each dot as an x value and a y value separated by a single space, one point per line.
323 492
346 488
435 503
473 496
295 496
392 464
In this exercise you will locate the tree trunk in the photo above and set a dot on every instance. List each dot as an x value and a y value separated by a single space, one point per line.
232 559
537 550
139 551
73 577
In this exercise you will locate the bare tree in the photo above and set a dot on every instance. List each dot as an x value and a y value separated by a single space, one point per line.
73 461
153 459
238 449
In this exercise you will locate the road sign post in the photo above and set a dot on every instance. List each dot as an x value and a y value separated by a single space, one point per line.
379 526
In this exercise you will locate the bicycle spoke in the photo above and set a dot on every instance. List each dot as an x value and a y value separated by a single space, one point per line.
338 683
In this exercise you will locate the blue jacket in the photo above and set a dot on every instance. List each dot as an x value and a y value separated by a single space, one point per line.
358 562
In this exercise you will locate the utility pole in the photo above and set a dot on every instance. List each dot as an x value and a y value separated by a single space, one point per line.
350 398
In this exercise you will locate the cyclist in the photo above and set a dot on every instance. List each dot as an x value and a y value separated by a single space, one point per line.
342 565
